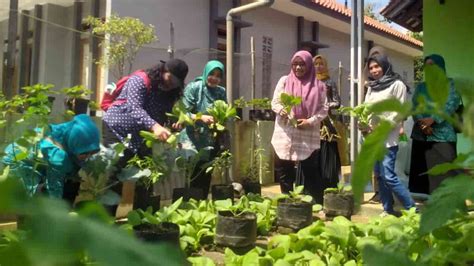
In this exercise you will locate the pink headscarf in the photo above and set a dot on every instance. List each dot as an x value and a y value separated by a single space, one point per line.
308 87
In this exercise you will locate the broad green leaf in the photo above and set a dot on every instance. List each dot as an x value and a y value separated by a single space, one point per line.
446 201
282 262
373 149
109 198
390 105
377 257
134 218
437 84
201 261
277 253
133 174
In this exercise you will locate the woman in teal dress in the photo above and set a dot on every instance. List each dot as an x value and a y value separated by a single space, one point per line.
434 139
62 151
199 95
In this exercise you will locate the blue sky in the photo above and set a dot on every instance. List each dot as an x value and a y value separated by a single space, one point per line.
378 5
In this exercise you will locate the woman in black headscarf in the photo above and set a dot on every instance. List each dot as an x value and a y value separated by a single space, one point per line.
385 84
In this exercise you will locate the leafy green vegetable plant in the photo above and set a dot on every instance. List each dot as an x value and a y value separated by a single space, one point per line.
260 103
222 112
289 101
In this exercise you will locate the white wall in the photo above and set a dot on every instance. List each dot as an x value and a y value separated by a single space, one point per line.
55 50
277 25
191 27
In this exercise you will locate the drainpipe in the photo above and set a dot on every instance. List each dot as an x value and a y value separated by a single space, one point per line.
230 38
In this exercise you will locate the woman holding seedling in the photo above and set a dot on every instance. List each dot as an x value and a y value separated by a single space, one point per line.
385 84
57 156
296 137
199 96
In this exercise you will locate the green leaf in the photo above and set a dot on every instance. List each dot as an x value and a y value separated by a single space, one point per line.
437 84
201 261
109 198
134 218
277 253
446 201
390 105
377 257
373 149
133 174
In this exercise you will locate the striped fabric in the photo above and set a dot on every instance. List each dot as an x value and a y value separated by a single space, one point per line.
296 144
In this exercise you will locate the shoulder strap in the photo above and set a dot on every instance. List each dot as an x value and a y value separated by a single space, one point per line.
142 74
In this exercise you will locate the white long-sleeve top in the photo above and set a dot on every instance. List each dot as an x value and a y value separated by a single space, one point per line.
397 90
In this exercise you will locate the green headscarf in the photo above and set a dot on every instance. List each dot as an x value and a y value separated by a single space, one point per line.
210 66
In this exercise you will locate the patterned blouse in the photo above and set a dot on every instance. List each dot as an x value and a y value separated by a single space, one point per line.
296 144
442 130
143 109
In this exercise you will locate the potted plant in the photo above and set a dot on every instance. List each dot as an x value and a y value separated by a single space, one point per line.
159 228
239 104
144 194
219 167
236 225
339 201
252 170
186 163
76 99
261 109
95 178
295 210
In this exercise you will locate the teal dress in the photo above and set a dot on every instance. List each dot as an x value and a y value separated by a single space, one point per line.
198 97
442 130
430 150
54 157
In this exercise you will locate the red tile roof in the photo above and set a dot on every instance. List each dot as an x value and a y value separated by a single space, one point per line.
368 21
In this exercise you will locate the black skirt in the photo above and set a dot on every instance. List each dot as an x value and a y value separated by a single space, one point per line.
424 156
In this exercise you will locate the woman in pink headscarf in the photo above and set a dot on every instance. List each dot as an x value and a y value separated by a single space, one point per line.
301 143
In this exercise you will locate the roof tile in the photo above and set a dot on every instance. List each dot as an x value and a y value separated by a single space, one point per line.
368 21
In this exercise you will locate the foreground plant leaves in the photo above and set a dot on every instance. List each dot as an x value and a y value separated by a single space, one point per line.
56 237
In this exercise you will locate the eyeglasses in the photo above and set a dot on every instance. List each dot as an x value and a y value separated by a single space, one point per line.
298 64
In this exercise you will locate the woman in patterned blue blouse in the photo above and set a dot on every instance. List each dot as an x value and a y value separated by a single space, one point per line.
143 108
434 139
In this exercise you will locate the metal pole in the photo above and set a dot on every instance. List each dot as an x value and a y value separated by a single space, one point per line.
230 38
353 89
171 46
229 58
11 52
360 44
252 58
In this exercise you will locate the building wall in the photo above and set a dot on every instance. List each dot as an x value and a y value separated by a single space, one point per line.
191 29
447 30
55 50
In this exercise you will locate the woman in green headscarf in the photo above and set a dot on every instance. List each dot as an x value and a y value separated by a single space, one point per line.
199 95
434 139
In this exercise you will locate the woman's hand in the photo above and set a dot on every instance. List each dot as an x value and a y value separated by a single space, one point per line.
283 113
427 130
364 129
303 123
207 119
160 132
177 126
426 122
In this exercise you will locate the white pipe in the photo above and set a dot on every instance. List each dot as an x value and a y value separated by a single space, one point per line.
230 39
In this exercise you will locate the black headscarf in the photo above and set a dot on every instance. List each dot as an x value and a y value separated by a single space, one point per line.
388 78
